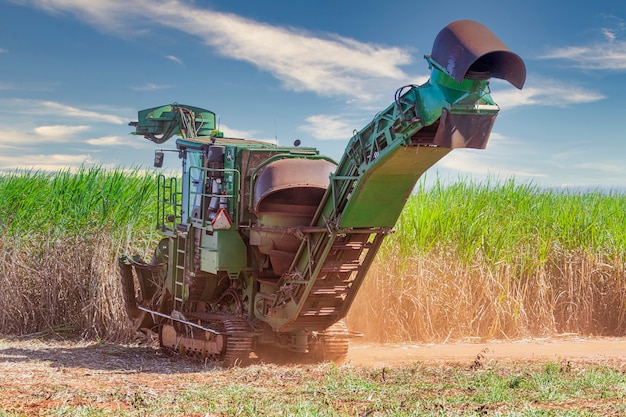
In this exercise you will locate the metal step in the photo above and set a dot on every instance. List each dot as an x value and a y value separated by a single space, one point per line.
345 267
351 245
328 291
179 273
321 312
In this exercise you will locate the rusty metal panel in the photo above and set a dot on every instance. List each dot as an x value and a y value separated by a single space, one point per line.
467 49
298 177
464 130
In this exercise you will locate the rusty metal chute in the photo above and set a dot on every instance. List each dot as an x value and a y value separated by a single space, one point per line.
463 130
287 193
291 185
467 49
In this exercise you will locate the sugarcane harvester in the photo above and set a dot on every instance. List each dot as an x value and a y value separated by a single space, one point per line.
265 247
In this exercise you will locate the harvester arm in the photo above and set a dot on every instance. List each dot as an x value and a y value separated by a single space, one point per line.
158 124
381 166
453 109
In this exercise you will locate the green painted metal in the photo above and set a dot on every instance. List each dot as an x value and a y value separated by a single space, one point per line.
381 192
388 167
223 251
174 120
377 173
296 255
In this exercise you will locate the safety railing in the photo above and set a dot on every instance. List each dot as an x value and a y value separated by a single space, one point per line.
169 204
212 191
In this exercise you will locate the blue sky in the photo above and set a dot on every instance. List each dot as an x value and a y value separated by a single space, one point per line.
73 73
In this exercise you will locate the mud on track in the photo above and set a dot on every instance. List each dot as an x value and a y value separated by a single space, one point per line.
39 375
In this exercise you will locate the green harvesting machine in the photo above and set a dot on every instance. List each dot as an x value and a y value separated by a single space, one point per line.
264 246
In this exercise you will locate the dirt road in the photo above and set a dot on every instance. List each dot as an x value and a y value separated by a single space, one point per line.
39 376
21 358
555 349
69 354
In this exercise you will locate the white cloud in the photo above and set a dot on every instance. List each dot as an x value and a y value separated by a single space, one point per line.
609 34
608 167
51 108
42 134
328 65
471 162
544 93
330 127
31 85
46 162
590 158
14 138
96 12
3 51
59 131
499 160
230 132
65 110
107 141
151 87
174 59
610 55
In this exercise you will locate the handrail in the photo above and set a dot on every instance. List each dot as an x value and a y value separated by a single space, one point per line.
231 196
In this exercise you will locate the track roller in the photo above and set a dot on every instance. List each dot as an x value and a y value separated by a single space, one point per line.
331 344
231 342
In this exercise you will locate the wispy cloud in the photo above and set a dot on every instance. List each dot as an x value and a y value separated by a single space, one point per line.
330 127
32 86
151 87
41 134
606 53
609 34
174 59
326 64
230 132
59 131
106 141
596 158
599 56
54 108
472 162
608 167
22 139
499 161
329 65
46 162
544 92
3 51
119 141
15 138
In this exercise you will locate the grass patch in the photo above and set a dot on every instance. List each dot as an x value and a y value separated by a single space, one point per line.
493 260
62 234
530 389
